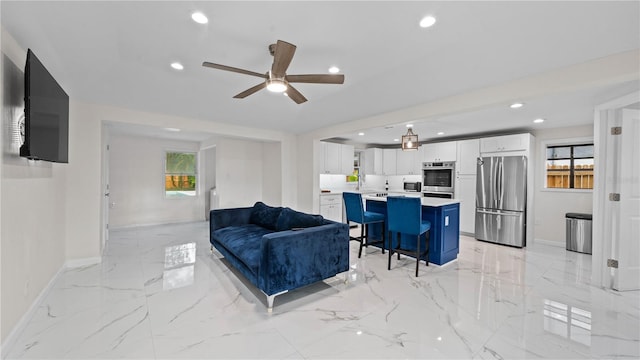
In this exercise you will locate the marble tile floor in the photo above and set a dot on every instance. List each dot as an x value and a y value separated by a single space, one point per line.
160 293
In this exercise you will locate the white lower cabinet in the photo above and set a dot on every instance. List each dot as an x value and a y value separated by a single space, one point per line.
466 193
331 207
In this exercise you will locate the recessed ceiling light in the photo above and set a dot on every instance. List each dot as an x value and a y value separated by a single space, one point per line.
409 125
440 133
334 69
427 21
538 121
177 66
396 139
199 18
172 129
516 105
361 134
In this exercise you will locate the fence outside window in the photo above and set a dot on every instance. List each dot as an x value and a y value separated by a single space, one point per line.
570 166
180 174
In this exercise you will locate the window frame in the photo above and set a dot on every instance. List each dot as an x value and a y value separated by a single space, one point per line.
164 173
543 161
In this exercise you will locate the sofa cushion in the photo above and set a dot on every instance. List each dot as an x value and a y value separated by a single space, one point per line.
290 218
243 242
265 215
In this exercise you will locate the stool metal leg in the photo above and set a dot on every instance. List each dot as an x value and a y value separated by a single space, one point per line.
382 234
418 255
390 250
362 226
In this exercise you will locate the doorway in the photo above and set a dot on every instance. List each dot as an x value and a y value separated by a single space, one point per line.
616 201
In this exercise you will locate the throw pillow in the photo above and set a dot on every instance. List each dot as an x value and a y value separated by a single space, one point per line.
265 215
290 218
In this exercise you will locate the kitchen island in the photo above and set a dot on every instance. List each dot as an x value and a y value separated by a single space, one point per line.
444 237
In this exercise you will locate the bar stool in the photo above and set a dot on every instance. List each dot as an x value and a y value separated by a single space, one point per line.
357 214
404 216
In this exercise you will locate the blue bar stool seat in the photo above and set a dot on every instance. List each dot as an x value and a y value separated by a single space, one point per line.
404 216
357 214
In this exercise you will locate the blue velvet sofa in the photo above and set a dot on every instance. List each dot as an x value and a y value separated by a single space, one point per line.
279 249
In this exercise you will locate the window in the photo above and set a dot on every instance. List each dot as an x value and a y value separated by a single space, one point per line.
180 174
570 166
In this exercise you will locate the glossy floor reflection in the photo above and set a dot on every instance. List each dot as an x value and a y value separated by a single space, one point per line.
160 293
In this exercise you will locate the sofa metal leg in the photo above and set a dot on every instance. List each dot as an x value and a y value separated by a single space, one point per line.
270 299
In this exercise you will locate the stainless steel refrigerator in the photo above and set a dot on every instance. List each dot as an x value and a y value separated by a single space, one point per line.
501 200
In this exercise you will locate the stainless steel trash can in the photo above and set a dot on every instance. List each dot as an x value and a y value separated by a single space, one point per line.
579 232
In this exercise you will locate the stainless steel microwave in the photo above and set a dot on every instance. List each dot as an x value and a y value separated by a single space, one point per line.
438 176
412 186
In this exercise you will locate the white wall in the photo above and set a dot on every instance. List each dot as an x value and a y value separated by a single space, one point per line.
239 172
552 205
32 236
208 161
136 172
272 173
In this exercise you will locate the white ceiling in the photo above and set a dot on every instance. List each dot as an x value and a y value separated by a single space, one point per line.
118 53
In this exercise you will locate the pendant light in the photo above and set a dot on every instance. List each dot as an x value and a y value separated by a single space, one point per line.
410 141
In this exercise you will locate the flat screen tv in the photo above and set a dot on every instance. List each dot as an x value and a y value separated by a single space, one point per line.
46 112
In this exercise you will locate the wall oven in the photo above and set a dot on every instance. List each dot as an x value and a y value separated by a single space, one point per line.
438 177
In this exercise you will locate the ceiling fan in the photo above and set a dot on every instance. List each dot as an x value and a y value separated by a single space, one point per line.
276 79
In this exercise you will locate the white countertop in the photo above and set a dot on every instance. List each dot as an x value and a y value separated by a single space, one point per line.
425 201
331 193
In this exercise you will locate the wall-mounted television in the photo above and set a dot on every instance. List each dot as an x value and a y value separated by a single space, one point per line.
46 123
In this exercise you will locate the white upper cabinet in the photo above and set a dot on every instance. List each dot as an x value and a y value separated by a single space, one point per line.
346 157
467 155
519 142
389 162
335 158
438 152
372 161
409 162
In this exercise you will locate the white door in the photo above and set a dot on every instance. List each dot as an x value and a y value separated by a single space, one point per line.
626 245
105 187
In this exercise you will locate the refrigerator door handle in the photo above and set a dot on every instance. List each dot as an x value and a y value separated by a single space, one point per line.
496 185
501 184
498 213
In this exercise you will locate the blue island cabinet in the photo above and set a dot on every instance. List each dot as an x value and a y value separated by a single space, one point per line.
444 237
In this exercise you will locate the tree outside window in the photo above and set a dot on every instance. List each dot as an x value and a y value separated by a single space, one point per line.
570 166
180 174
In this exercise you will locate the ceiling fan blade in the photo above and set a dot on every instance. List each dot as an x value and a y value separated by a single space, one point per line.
295 95
282 56
316 78
250 91
233 69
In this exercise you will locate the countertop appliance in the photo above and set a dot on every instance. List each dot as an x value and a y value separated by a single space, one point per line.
501 200
438 177
412 186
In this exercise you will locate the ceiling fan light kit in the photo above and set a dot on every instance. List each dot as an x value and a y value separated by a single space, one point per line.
410 141
276 79
276 85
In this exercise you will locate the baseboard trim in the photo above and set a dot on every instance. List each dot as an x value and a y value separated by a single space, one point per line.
10 340
133 226
549 242
82 262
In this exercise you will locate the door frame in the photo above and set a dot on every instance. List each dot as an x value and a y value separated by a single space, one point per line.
601 275
104 187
